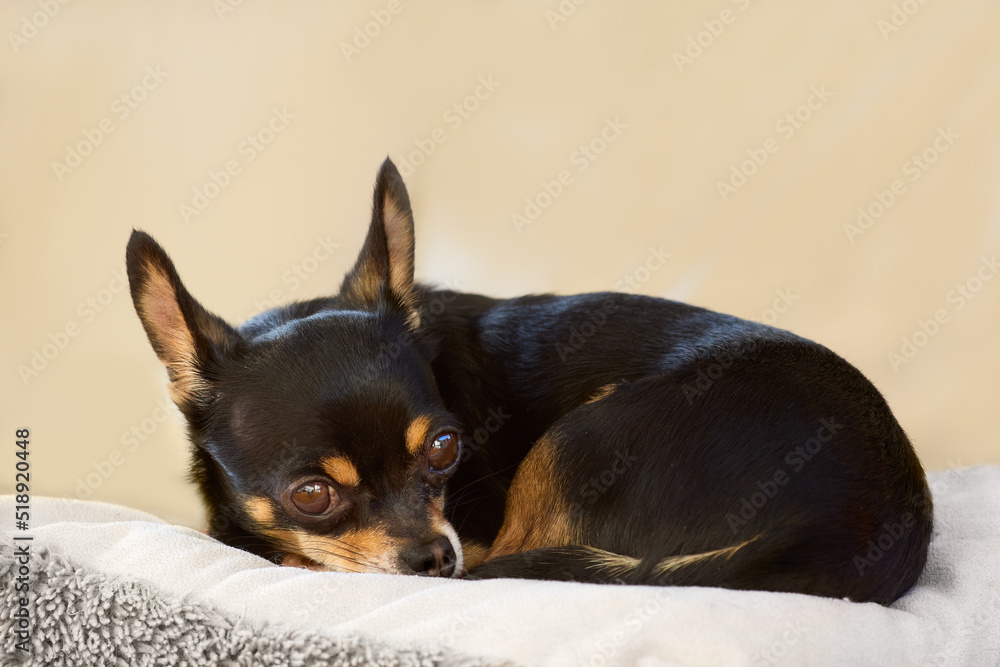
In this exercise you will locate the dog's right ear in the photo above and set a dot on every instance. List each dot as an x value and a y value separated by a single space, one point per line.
383 273
187 338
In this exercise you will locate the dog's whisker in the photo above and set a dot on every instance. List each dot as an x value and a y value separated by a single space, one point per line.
366 564
480 479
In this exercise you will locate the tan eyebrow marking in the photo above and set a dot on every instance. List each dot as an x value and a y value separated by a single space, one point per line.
341 470
416 434
259 509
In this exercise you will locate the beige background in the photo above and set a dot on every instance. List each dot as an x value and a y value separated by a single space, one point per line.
779 238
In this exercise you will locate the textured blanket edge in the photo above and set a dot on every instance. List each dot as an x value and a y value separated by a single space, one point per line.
84 618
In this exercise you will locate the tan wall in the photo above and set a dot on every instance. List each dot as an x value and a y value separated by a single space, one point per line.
879 98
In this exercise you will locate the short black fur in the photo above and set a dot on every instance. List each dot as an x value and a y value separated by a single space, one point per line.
607 437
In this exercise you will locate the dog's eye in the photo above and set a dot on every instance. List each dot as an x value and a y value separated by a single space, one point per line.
313 498
445 450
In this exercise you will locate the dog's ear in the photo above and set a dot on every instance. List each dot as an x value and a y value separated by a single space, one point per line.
383 274
187 338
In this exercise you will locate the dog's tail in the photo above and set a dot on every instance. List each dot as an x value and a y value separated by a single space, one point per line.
780 563
739 566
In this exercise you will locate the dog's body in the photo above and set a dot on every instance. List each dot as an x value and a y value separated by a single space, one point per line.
601 437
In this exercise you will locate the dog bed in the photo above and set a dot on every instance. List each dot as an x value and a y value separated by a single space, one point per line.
114 586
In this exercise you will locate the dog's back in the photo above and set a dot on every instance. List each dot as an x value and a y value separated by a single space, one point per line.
679 445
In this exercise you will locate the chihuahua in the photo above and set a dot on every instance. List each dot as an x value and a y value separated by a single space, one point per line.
605 438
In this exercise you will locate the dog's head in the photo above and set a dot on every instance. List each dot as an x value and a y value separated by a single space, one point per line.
318 433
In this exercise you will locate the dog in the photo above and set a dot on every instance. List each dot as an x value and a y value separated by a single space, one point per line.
604 438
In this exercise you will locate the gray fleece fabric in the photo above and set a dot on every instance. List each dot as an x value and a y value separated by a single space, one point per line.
88 619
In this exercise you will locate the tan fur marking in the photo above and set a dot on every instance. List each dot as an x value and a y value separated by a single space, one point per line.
341 470
179 395
603 392
475 553
613 564
670 563
367 281
354 551
367 277
260 510
158 306
611 559
618 565
416 434
397 225
413 320
536 514
676 562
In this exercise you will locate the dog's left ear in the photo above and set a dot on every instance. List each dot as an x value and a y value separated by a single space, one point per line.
189 340
383 274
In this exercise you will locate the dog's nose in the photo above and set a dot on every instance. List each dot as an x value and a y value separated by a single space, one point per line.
431 559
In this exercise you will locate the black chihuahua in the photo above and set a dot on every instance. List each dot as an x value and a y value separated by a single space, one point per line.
607 438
